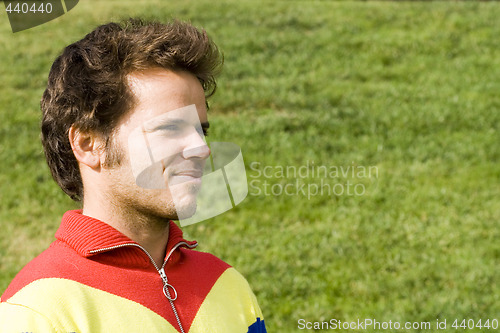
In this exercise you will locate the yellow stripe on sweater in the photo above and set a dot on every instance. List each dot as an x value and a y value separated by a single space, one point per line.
69 306
60 305
232 302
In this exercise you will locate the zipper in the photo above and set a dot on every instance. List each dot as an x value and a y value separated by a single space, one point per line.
161 270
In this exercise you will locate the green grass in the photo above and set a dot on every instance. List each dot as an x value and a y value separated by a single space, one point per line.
411 88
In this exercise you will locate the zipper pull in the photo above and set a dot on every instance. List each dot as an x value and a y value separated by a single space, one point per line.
167 285
163 275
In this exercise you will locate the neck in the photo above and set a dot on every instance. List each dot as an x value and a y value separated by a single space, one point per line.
150 231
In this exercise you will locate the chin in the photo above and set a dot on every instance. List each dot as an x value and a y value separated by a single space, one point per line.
185 209
185 199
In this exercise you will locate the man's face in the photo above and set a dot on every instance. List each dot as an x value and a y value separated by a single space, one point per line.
163 145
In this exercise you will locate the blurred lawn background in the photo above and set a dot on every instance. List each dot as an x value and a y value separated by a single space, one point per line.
410 88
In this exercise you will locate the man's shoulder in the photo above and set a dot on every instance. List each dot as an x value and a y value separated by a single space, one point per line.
233 303
227 276
204 258
47 264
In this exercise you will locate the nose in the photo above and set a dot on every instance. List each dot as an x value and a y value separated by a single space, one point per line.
196 147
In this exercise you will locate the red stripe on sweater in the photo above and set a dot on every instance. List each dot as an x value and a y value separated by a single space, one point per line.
126 272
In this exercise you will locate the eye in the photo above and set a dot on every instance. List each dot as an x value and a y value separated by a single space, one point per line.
170 128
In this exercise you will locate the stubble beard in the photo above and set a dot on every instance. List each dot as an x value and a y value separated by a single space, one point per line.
135 203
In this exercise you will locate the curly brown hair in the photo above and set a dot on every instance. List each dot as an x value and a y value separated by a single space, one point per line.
87 85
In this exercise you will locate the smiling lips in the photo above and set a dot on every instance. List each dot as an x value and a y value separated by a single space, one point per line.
186 176
192 173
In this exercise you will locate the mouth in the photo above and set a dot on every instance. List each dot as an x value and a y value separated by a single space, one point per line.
192 176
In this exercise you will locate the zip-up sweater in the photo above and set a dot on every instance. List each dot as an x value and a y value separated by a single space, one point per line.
93 278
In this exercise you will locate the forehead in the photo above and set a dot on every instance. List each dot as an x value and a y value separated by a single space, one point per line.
158 91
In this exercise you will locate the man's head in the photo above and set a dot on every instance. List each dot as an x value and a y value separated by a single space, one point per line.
98 83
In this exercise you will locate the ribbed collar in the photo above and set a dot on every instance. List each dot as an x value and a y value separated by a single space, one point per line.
86 234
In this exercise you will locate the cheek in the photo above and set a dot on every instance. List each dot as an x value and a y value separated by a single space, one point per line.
170 165
146 150
163 149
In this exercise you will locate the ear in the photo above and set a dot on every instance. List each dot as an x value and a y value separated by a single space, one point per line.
87 148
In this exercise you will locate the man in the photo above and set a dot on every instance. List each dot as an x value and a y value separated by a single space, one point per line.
120 264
